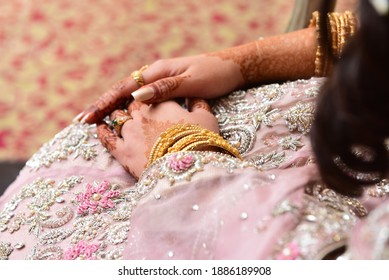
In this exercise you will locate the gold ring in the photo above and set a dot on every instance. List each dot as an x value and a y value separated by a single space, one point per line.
118 123
138 77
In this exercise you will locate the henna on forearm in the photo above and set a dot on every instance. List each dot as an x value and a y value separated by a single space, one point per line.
287 56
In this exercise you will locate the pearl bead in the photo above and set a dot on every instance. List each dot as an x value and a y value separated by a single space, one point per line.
244 216
96 197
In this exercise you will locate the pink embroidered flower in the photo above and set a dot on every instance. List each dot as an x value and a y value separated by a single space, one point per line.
81 251
180 163
96 198
290 252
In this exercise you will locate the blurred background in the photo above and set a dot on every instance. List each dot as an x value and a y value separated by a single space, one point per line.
58 56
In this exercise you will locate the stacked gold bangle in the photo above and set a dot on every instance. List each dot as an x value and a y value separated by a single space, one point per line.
341 27
188 137
321 59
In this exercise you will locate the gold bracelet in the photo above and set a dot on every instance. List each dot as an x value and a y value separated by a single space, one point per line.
341 27
188 137
321 59
170 136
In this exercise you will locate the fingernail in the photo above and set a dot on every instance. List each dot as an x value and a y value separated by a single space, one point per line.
83 120
143 94
77 118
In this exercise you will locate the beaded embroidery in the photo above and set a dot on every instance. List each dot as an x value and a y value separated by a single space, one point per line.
241 113
300 117
71 140
162 168
5 250
268 160
42 194
323 223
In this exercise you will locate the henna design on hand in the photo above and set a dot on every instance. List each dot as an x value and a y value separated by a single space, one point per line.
112 99
134 106
196 103
152 129
107 137
164 87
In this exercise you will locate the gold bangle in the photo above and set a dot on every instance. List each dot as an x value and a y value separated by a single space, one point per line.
341 26
167 138
321 57
188 137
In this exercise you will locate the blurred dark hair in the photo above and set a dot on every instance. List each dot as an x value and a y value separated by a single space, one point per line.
352 117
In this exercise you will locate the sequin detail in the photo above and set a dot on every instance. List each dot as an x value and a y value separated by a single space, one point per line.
73 140
380 189
267 161
5 250
242 113
161 169
41 194
323 222
300 117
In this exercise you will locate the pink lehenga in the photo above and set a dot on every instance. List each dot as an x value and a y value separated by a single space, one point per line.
73 200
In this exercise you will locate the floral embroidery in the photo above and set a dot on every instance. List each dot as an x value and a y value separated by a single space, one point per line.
162 170
300 117
291 143
241 113
179 164
82 251
41 195
71 140
96 198
267 161
5 250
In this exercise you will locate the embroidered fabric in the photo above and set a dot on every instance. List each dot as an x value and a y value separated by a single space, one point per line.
74 201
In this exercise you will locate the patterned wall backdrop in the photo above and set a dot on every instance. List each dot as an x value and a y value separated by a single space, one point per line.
57 56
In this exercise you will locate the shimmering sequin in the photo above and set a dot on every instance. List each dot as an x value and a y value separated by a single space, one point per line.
300 117
73 140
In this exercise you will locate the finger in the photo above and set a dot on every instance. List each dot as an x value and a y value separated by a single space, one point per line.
195 104
135 106
163 89
119 114
113 143
116 97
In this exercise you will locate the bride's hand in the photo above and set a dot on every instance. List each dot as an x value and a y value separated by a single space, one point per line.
143 126
203 76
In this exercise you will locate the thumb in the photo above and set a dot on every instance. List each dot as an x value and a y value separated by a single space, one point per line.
163 89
